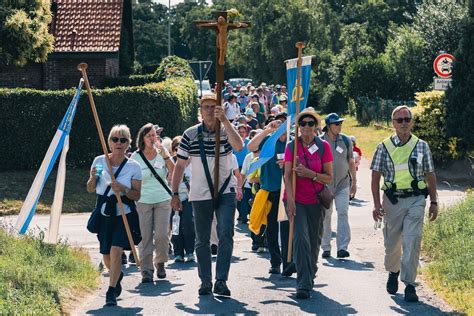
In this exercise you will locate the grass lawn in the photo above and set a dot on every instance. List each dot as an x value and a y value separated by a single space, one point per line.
14 187
42 279
448 243
367 136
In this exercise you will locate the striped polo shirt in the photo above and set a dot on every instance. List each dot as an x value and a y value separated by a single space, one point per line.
189 149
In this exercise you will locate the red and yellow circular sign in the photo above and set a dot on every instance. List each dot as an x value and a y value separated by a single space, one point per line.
443 65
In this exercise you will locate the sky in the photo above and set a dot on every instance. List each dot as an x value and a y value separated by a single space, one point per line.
165 2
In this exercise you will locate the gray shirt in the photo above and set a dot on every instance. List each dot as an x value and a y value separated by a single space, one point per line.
340 165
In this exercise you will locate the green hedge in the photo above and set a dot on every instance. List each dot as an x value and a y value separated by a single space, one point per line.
30 118
129 81
430 125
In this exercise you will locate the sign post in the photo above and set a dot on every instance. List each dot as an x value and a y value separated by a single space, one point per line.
200 69
443 67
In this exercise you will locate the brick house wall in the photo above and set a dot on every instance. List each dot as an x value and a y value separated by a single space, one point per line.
29 76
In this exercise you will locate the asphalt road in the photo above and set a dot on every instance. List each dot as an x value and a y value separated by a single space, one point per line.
354 286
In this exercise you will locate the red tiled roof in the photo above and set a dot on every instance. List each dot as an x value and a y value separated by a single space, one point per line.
87 25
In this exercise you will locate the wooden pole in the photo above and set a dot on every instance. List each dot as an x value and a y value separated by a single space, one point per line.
82 67
300 46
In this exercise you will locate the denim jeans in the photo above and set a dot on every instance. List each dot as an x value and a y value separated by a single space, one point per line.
203 215
184 242
244 209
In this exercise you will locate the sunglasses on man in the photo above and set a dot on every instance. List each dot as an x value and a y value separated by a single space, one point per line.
401 119
337 123
309 123
123 140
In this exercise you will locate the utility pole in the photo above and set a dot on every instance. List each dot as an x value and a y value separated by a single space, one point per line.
169 27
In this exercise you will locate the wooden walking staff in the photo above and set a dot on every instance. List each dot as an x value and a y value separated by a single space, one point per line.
300 46
82 67
221 27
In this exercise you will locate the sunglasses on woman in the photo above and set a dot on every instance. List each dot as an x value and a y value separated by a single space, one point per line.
309 123
401 119
123 140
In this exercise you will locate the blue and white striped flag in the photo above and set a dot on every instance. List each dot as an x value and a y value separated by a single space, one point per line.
60 143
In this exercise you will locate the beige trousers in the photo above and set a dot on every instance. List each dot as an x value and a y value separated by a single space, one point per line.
403 231
155 228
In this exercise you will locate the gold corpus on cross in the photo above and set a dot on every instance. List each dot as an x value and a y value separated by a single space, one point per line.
222 27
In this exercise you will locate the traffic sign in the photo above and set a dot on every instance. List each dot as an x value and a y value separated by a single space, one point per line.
442 83
200 68
443 65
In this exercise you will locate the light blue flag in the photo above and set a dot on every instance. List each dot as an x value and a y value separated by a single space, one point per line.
268 149
59 143
291 74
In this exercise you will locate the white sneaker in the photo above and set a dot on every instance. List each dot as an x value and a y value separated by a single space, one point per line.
178 258
260 250
189 257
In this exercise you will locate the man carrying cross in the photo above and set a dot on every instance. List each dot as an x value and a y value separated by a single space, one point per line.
197 148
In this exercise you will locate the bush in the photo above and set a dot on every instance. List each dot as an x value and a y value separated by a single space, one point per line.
376 110
173 66
430 125
333 100
448 243
30 118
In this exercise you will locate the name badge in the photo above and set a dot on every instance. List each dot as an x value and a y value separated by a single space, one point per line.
158 165
313 149
280 156
339 150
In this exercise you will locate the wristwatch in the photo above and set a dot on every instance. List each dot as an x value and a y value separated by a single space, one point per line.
175 193
434 203
126 190
315 177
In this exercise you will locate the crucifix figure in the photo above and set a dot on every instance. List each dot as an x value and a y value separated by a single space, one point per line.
221 26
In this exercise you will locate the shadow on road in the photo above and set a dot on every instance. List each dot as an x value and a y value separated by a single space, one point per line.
419 308
216 305
348 264
157 288
115 310
316 304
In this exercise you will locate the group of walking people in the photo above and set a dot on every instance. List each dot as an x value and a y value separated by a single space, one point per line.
157 181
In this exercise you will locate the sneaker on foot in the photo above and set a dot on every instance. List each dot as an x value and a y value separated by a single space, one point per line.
254 247
260 249
110 297
205 288
147 277
343 253
189 257
220 288
161 272
302 294
118 287
410 294
392 282
274 270
326 254
178 258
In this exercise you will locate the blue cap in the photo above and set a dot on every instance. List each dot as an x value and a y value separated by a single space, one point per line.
333 118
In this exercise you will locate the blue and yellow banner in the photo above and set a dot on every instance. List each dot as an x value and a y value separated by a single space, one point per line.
303 92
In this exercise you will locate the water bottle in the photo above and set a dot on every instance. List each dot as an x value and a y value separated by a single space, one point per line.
379 223
176 220
98 169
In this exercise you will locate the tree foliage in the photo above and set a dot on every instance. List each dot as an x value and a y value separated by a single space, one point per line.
24 33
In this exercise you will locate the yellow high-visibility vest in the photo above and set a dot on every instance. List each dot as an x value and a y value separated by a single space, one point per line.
400 156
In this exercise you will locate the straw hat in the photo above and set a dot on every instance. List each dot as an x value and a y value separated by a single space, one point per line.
308 112
209 96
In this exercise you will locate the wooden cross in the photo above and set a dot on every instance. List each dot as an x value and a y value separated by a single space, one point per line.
221 26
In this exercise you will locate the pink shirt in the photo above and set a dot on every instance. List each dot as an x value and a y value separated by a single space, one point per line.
306 189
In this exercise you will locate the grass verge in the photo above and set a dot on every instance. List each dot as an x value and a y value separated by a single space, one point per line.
37 278
448 243
367 136
14 187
